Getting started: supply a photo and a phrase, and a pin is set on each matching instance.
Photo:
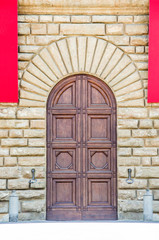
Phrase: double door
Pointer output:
(81, 150)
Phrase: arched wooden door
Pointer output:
(81, 150)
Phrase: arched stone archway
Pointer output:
(73, 55)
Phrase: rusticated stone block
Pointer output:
(154, 183)
(114, 29)
(39, 172)
(138, 184)
(14, 124)
(31, 194)
(147, 172)
(31, 133)
(129, 161)
(127, 123)
(37, 124)
(38, 28)
(144, 133)
(131, 206)
(3, 133)
(15, 133)
(3, 207)
(25, 151)
(130, 142)
(4, 151)
(10, 161)
(9, 112)
(14, 142)
(155, 161)
(145, 123)
(9, 172)
(24, 28)
(123, 172)
(84, 29)
(132, 113)
(127, 194)
(33, 206)
(136, 29)
(31, 113)
(144, 151)
(31, 161)
(18, 184)
(2, 184)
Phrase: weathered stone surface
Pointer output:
(146, 161)
(147, 172)
(14, 124)
(2, 184)
(125, 19)
(123, 172)
(16, 133)
(139, 40)
(18, 184)
(31, 133)
(136, 29)
(117, 40)
(141, 19)
(124, 151)
(28, 18)
(138, 184)
(155, 161)
(1, 161)
(4, 195)
(62, 19)
(130, 142)
(126, 194)
(30, 194)
(10, 161)
(46, 18)
(31, 113)
(104, 19)
(132, 113)
(24, 28)
(144, 151)
(154, 183)
(84, 29)
(39, 184)
(31, 161)
(37, 142)
(31, 216)
(131, 216)
(152, 142)
(33, 206)
(129, 161)
(39, 172)
(9, 112)
(140, 194)
(124, 133)
(156, 124)
(156, 194)
(38, 28)
(14, 142)
(53, 28)
(4, 151)
(25, 151)
(114, 29)
(154, 112)
(127, 123)
(9, 172)
(3, 207)
(131, 206)
(3, 133)
(37, 124)
(144, 133)
(145, 123)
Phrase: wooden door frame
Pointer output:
(110, 93)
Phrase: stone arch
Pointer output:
(90, 55)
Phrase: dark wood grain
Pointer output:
(81, 150)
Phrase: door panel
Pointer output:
(81, 141)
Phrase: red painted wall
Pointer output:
(8, 51)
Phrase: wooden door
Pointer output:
(81, 150)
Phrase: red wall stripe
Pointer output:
(8, 51)
(153, 72)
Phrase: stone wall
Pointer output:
(52, 47)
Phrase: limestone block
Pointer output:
(24, 151)
(31, 216)
(125, 19)
(118, 40)
(28, 49)
(127, 123)
(132, 113)
(53, 28)
(124, 133)
(126, 194)
(143, 133)
(37, 142)
(138, 184)
(155, 207)
(33, 206)
(156, 124)
(31, 96)
(31, 113)
(18, 184)
(115, 29)
(139, 57)
(1, 161)
(37, 124)
(131, 216)
(3, 133)
(14, 142)
(129, 161)
(14, 124)
(9, 172)
(139, 40)
(145, 123)
(131, 206)
(156, 194)
(21, 40)
(38, 28)
(46, 18)
(16, 133)
(136, 29)
(24, 28)
(124, 151)
(30, 40)
(128, 49)
(2, 184)
(22, 65)
(123, 172)
(84, 29)
(146, 161)
(9, 112)
(104, 19)
(61, 19)
(39, 184)
(34, 133)
(141, 19)
(3, 207)
(31, 161)
(147, 172)
(31, 194)
(80, 19)
(140, 49)
(154, 113)
(4, 195)
(155, 161)
(39, 172)
(4, 151)
(145, 151)
(28, 18)
(130, 142)
(24, 56)
(152, 142)
(154, 183)
(32, 89)
(10, 161)
(45, 40)
(30, 103)
(142, 65)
